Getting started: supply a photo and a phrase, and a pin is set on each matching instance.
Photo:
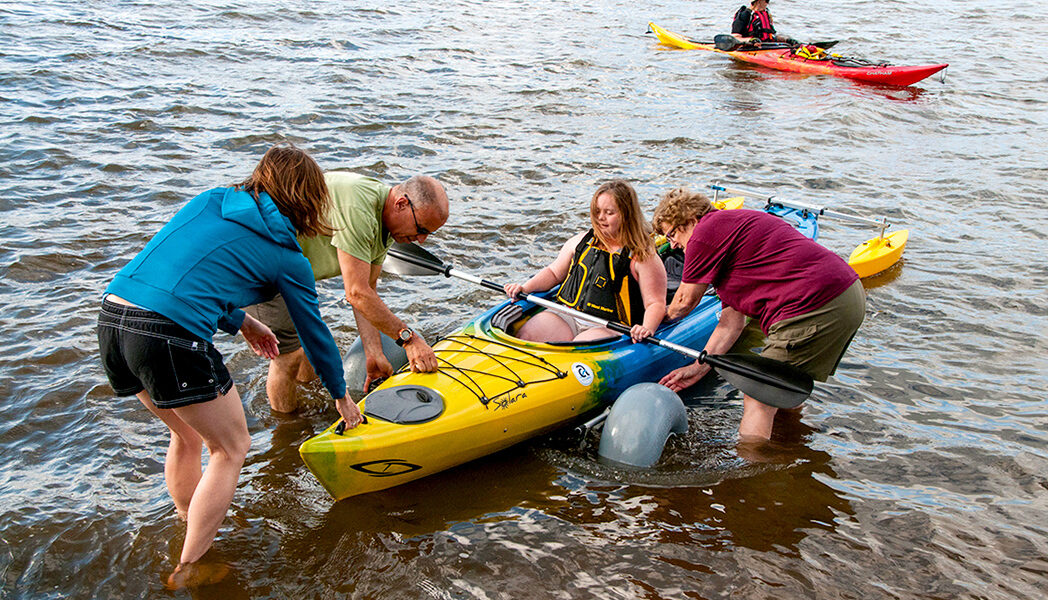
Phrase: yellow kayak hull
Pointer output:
(674, 39)
(880, 253)
(496, 391)
(732, 203)
(382, 454)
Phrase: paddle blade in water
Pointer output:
(772, 382)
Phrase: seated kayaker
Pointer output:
(611, 271)
(752, 25)
(808, 301)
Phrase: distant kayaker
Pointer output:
(752, 25)
(367, 216)
(808, 301)
(227, 247)
(611, 271)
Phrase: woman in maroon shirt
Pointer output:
(808, 301)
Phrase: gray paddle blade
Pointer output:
(762, 392)
(399, 266)
(410, 259)
(726, 42)
(769, 381)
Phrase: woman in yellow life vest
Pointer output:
(611, 271)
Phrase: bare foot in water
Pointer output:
(196, 574)
(182, 515)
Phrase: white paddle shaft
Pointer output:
(614, 326)
(819, 210)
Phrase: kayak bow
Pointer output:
(876, 255)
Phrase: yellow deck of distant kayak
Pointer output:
(876, 255)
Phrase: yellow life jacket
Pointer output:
(600, 283)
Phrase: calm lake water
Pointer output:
(919, 471)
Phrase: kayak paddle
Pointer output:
(727, 43)
(769, 381)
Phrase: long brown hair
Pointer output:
(634, 232)
(296, 184)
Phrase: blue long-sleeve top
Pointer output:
(224, 250)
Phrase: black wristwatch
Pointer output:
(404, 336)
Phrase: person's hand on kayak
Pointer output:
(259, 337)
(421, 358)
(754, 42)
(376, 368)
(685, 377)
(515, 291)
(639, 332)
(350, 411)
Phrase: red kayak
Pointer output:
(789, 59)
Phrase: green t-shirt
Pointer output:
(356, 215)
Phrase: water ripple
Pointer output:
(926, 450)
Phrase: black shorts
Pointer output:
(143, 350)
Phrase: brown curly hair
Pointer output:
(677, 207)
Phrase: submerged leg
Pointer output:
(757, 420)
(223, 427)
(182, 465)
(285, 373)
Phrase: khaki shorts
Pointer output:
(816, 340)
(275, 315)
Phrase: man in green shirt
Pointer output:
(368, 216)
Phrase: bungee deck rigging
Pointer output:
(530, 358)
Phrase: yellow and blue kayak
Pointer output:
(493, 390)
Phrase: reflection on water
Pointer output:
(918, 471)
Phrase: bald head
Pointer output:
(414, 209)
(429, 196)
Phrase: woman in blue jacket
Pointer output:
(226, 248)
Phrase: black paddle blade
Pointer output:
(411, 259)
(769, 381)
(726, 42)
(825, 45)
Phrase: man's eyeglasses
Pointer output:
(672, 232)
(419, 230)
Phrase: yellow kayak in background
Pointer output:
(876, 255)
